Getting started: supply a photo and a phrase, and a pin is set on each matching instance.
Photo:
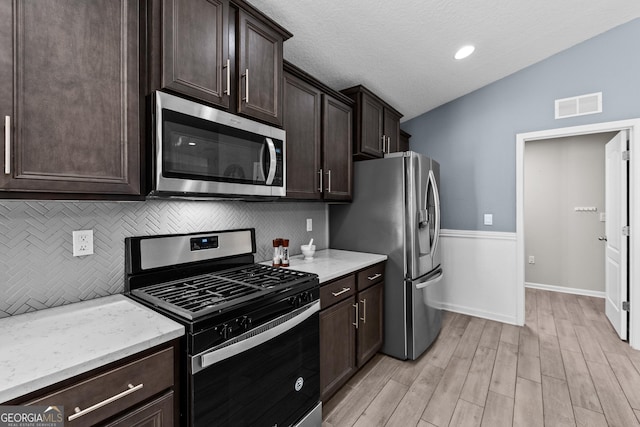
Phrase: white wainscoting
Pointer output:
(480, 274)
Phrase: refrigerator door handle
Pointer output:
(436, 197)
(430, 281)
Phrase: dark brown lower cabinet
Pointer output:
(370, 322)
(157, 413)
(350, 326)
(141, 390)
(337, 346)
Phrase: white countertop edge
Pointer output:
(330, 264)
(47, 377)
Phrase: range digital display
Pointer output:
(199, 243)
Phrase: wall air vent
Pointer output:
(579, 105)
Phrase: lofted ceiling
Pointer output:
(403, 50)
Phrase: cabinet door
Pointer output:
(157, 413)
(74, 112)
(370, 322)
(302, 114)
(391, 131)
(260, 71)
(337, 346)
(337, 146)
(371, 130)
(404, 141)
(195, 49)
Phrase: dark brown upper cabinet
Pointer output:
(195, 47)
(318, 122)
(376, 124)
(404, 141)
(70, 98)
(225, 53)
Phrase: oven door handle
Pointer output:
(253, 338)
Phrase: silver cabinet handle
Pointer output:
(374, 277)
(337, 294)
(321, 180)
(329, 181)
(602, 238)
(80, 412)
(364, 310)
(7, 145)
(381, 145)
(246, 85)
(388, 144)
(227, 91)
(356, 305)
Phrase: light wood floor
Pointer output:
(565, 367)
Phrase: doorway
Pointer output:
(633, 128)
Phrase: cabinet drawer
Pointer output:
(337, 290)
(114, 391)
(370, 276)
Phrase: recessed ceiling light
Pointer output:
(464, 51)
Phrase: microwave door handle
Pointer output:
(272, 161)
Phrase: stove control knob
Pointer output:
(244, 322)
(225, 331)
(306, 296)
(294, 301)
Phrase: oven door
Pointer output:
(200, 150)
(270, 376)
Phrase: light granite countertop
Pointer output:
(44, 347)
(330, 264)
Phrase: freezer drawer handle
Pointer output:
(374, 277)
(337, 294)
(80, 412)
(430, 282)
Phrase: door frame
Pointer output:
(633, 126)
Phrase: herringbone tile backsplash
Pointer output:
(37, 269)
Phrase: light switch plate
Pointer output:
(309, 224)
(488, 219)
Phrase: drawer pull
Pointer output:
(337, 294)
(374, 277)
(80, 412)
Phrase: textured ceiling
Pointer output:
(403, 50)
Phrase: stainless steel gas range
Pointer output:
(251, 350)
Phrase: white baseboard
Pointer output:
(484, 314)
(555, 288)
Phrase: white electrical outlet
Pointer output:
(82, 242)
(488, 219)
(532, 259)
(309, 224)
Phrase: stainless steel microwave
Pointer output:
(199, 151)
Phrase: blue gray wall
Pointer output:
(473, 137)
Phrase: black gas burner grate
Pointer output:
(198, 295)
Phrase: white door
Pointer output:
(616, 220)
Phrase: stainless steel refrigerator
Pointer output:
(396, 211)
